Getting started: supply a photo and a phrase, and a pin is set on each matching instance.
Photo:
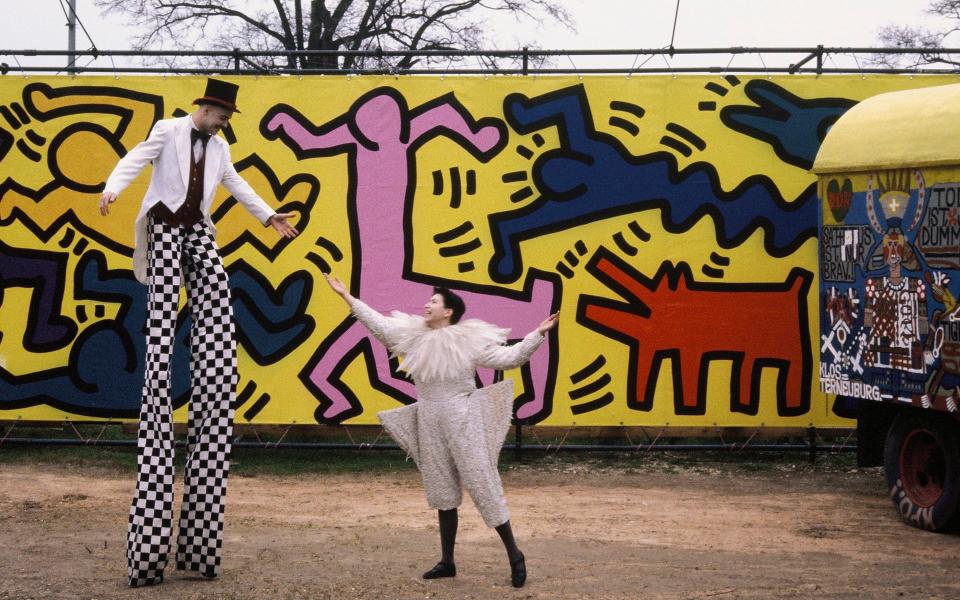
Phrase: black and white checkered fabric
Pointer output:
(213, 370)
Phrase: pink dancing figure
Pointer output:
(381, 137)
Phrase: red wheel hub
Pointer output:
(922, 468)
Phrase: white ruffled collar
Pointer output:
(443, 353)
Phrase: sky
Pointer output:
(601, 24)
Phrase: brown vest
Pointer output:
(189, 213)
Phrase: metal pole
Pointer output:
(72, 37)
(518, 447)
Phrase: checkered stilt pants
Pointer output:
(175, 251)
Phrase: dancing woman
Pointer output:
(454, 431)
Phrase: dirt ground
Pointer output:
(587, 533)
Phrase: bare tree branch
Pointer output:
(932, 42)
(271, 25)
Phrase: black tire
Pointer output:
(922, 466)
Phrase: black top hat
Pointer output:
(220, 93)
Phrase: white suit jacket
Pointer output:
(169, 147)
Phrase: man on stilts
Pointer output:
(174, 246)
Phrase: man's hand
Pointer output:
(279, 222)
(106, 199)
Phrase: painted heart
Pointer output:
(839, 198)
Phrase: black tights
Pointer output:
(448, 537)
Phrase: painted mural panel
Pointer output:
(889, 327)
(671, 220)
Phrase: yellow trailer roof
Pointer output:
(910, 128)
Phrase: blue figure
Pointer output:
(592, 176)
(104, 376)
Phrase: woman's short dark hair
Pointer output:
(453, 302)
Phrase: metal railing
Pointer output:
(808, 441)
(526, 61)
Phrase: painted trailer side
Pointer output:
(889, 265)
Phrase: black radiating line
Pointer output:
(318, 260)
(624, 124)
(28, 151)
(254, 410)
(537, 139)
(471, 182)
(461, 248)
(229, 134)
(571, 258)
(707, 106)
(592, 387)
(525, 152)
(716, 88)
(676, 145)
(24, 117)
(564, 270)
(82, 313)
(599, 403)
(98, 311)
(624, 245)
(437, 183)
(720, 260)
(445, 236)
(244, 394)
(454, 187)
(80, 247)
(686, 134)
(594, 366)
(711, 272)
(67, 238)
(521, 194)
(732, 79)
(629, 107)
(36, 138)
(514, 176)
(330, 247)
(9, 117)
(638, 231)
(581, 247)
(224, 208)
(465, 267)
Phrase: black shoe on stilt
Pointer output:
(440, 570)
(518, 571)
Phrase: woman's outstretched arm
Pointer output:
(382, 327)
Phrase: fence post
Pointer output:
(526, 60)
(518, 445)
(819, 59)
(236, 60)
(812, 441)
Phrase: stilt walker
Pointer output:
(175, 247)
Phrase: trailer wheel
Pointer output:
(922, 467)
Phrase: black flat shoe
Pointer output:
(518, 571)
(441, 569)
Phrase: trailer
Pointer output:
(889, 264)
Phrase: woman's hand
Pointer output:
(549, 323)
(335, 284)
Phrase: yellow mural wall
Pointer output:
(671, 220)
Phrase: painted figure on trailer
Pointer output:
(895, 313)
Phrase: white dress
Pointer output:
(454, 431)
